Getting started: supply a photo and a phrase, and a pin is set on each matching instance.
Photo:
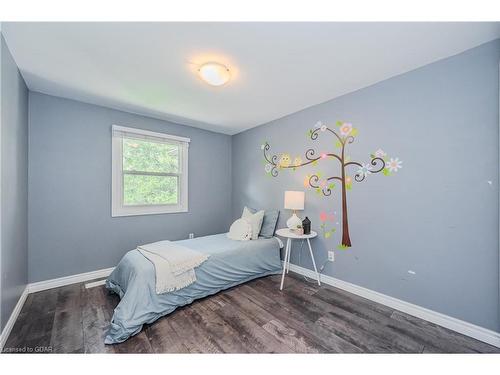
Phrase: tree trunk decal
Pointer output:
(344, 136)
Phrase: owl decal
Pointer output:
(285, 160)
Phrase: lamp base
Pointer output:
(294, 222)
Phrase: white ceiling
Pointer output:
(278, 68)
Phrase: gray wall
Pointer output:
(71, 228)
(437, 216)
(14, 184)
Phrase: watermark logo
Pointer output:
(28, 349)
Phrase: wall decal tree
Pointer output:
(344, 135)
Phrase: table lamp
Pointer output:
(294, 200)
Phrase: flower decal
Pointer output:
(348, 180)
(345, 129)
(268, 168)
(365, 169)
(262, 147)
(394, 164)
(306, 181)
(323, 128)
(324, 216)
(380, 153)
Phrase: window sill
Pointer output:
(143, 212)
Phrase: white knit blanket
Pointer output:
(174, 264)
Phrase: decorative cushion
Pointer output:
(269, 223)
(255, 219)
(240, 230)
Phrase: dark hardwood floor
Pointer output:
(252, 318)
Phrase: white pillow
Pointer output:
(240, 230)
(255, 221)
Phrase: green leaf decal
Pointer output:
(386, 172)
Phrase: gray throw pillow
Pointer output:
(269, 223)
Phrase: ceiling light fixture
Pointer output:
(214, 74)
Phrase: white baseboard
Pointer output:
(44, 285)
(13, 317)
(457, 325)
(95, 283)
(67, 280)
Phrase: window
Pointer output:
(149, 172)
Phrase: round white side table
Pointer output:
(289, 235)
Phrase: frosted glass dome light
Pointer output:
(214, 74)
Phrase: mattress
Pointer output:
(230, 263)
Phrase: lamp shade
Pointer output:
(294, 200)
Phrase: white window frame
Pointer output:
(117, 206)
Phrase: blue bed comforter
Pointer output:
(230, 263)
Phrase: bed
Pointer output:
(230, 263)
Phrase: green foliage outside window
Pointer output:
(150, 172)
